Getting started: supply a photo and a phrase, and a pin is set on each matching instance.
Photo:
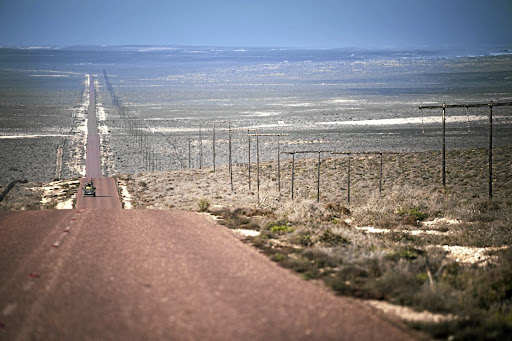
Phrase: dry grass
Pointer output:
(441, 250)
(410, 264)
(23, 196)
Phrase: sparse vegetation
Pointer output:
(406, 259)
(204, 205)
(407, 264)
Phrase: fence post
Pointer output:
(444, 145)
(230, 160)
(189, 153)
(380, 175)
(318, 180)
(258, 165)
(249, 142)
(348, 181)
(490, 150)
(279, 166)
(214, 147)
(293, 175)
(200, 149)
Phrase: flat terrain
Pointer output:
(101, 273)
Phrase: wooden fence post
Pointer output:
(444, 145)
(279, 166)
(258, 166)
(380, 175)
(189, 154)
(293, 175)
(249, 163)
(348, 180)
(318, 180)
(200, 149)
(490, 150)
(214, 147)
(230, 160)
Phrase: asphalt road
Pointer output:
(98, 272)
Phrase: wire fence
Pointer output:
(214, 143)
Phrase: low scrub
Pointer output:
(401, 267)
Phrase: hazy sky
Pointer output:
(265, 23)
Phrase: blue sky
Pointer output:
(263, 23)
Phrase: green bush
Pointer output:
(204, 205)
(413, 212)
(282, 229)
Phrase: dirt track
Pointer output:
(143, 274)
(106, 191)
(101, 273)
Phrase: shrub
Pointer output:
(204, 205)
(302, 238)
(404, 253)
(414, 213)
(332, 239)
(282, 229)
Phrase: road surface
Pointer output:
(101, 273)
(106, 191)
(98, 274)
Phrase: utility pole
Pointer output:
(471, 105)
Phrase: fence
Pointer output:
(195, 147)
(152, 159)
(444, 106)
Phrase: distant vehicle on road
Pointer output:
(89, 189)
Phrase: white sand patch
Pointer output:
(279, 124)
(260, 113)
(100, 112)
(440, 221)
(471, 255)
(126, 196)
(370, 229)
(56, 193)
(65, 205)
(408, 314)
(431, 232)
(107, 156)
(173, 130)
(79, 138)
(30, 136)
(246, 233)
(407, 120)
(103, 130)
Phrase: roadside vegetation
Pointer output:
(406, 260)
(445, 251)
(440, 250)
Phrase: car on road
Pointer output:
(89, 189)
